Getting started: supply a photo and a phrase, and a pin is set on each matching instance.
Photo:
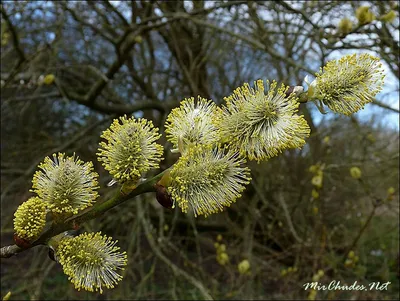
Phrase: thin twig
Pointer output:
(88, 214)
(161, 256)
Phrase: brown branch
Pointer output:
(254, 43)
(116, 11)
(14, 35)
(123, 45)
(83, 22)
(33, 166)
(33, 97)
(86, 215)
(300, 12)
(384, 106)
(17, 46)
(8, 251)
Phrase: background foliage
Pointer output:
(110, 58)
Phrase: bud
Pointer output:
(389, 17)
(221, 248)
(345, 26)
(364, 15)
(244, 267)
(348, 263)
(355, 172)
(48, 79)
(317, 181)
(163, 197)
(222, 258)
(30, 219)
(316, 278)
(391, 190)
(138, 39)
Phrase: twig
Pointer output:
(91, 213)
(160, 255)
(8, 251)
(14, 35)
(282, 202)
(33, 166)
(384, 106)
(17, 46)
(256, 44)
(362, 230)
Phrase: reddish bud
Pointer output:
(20, 242)
(163, 197)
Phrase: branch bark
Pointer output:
(88, 214)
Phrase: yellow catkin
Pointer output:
(205, 180)
(7, 296)
(30, 218)
(364, 15)
(317, 181)
(355, 172)
(91, 261)
(345, 26)
(65, 184)
(130, 150)
(389, 17)
(348, 84)
(261, 124)
(49, 79)
(193, 123)
(244, 267)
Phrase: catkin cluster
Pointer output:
(254, 123)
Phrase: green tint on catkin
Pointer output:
(364, 15)
(130, 150)
(91, 261)
(66, 184)
(345, 26)
(261, 125)
(30, 219)
(205, 180)
(348, 84)
(193, 123)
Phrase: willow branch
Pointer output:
(89, 214)
(384, 106)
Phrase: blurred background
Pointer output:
(69, 68)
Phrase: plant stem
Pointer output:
(90, 213)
